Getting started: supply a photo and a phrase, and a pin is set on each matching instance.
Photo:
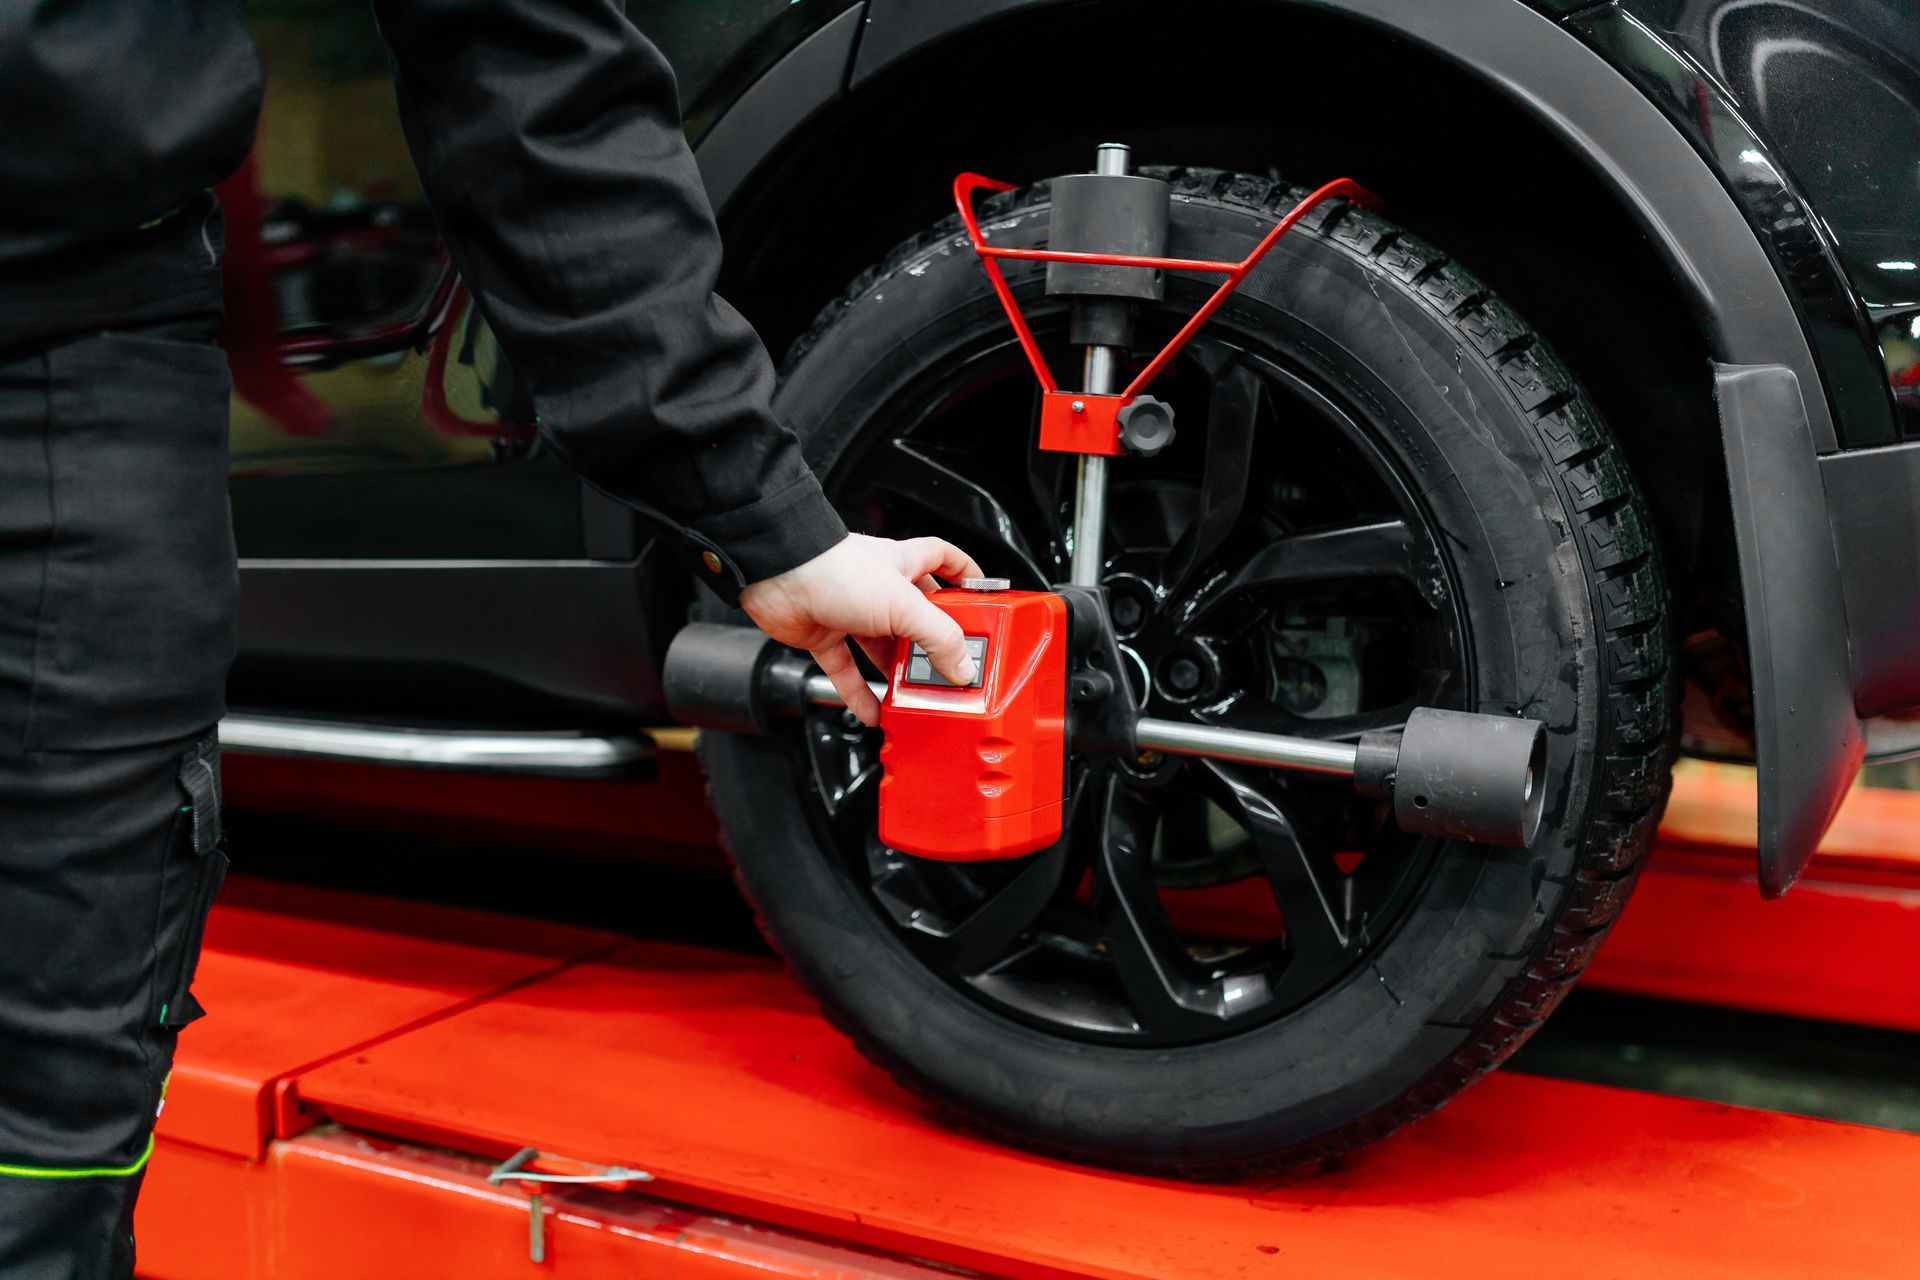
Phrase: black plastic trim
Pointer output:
(481, 641)
(776, 106)
(1808, 739)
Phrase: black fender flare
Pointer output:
(777, 107)
(1774, 420)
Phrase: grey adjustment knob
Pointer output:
(1146, 426)
(984, 584)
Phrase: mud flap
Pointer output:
(1808, 738)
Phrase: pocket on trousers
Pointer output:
(196, 868)
(136, 627)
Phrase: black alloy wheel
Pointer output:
(1255, 584)
(1223, 966)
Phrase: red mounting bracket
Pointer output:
(1079, 422)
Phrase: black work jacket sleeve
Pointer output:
(547, 135)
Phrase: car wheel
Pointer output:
(1386, 492)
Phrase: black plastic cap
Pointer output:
(711, 677)
(1471, 777)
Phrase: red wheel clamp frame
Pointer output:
(1080, 422)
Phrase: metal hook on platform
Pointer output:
(515, 1169)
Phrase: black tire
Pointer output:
(1558, 586)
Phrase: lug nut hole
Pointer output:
(1188, 673)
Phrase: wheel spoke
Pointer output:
(936, 486)
(846, 775)
(989, 933)
(1223, 484)
(1376, 549)
(1305, 883)
(1170, 994)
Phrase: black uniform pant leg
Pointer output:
(103, 893)
(116, 629)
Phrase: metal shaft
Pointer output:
(1089, 517)
(1311, 755)
(821, 693)
(1100, 379)
(1090, 484)
(1275, 750)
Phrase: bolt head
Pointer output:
(1183, 675)
(1079, 406)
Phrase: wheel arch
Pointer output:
(1669, 286)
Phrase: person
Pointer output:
(548, 140)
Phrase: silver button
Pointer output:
(985, 584)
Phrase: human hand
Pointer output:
(868, 589)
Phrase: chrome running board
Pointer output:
(563, 753)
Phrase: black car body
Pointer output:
(1711, 206)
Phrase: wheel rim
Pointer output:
(1298, 590)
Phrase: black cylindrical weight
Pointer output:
(713, 677)
(1108, 213)
(1471, 776)
(1101, 322)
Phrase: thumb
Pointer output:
(921, 621)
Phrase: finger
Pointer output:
(837, 661)
(937, 555)
(879, 649)
(928, 583)
(918, 619)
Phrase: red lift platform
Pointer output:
(369, 1063)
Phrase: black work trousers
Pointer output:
(117, 584)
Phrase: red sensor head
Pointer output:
(977, 773)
